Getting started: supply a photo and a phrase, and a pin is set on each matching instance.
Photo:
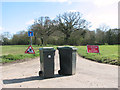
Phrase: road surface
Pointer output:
(89, 74)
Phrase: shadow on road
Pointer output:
(20, 80)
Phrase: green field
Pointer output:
(108, 53)
(17, 52)
(18, 49)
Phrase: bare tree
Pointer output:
(70, 22)
(104, 27)
(101, 33)
(5, 38)
(43, 28)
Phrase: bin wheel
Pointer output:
(40, 72)
(59, 72)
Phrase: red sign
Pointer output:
(92, 49)
(30, 50)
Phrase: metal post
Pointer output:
(31, 40)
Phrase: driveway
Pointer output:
(89, 74)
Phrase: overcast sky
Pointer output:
(17, 15)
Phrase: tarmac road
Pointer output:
(89, 74)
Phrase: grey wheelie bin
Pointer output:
(46, 62)
(67, 56)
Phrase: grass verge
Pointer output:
(108, 54)
(11, 57)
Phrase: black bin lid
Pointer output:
(66, 47)
(47, 48)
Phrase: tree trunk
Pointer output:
(42, 41)
(66, 39)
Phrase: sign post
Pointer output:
(30, 34)
(31, 41)
(30, 50)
